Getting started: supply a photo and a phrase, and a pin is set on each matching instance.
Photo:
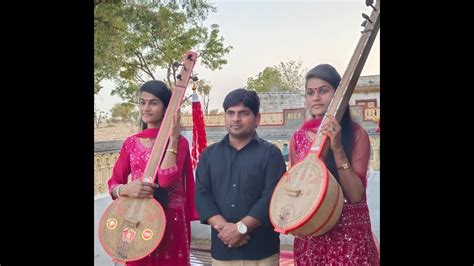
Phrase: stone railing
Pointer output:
(104, 161)
(103, 165)
(375, 152)
(105, 155)
(217, 120)
(372, 114)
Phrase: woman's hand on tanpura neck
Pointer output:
(170, 157)
(137, 189)
(176, 126)
(332, 128)
(350, 182)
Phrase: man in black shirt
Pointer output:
(235, 179)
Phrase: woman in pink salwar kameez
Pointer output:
(174, 183)
(350, 241)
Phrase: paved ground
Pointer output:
(203, 257)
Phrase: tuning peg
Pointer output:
(178, 76)
(190, 57)
(364, 23)
(366, 17)
(370, 3)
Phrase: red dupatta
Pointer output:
(312, 124)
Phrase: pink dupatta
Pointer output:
(188, 171)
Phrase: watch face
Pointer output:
(242, 228)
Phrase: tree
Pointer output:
(267, 80)
(156, 35)
(214, 111)
(124, 112)
(99, 117)
(204, 89)
(292, 75)
(283, 77)
(109, 30)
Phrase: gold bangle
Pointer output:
(172, 150)
(344, 166)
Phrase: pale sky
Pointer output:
(265, 33)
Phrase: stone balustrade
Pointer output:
(104, 161)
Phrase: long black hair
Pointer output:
(160, 90)
(347, 139)
(329, 74)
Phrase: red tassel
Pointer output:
(199, 130)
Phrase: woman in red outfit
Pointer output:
(175, 179)
(350, 241)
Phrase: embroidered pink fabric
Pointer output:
(179, 182)
(350, 241)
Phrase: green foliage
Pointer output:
(124, 111)
(109, 29)
(136, 39)
(292, 75)
(267, 80)
(127, 90)
(283, 77)
(214, 111)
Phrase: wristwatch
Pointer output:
(241, 228)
